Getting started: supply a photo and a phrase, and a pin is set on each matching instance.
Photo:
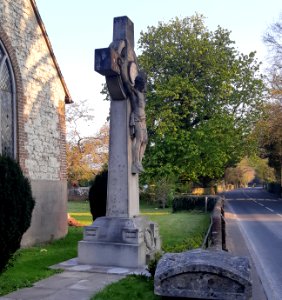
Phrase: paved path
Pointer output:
(77, 282)
(65, 286)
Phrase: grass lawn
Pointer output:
(131, 287)
(31, 265)
(180, 231)
(78, 207)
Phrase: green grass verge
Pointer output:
(131, 287)
(78, 206)
(180, 231)
(31, 265)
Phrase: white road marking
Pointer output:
(269, 209)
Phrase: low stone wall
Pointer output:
(218, 240)
(216, 236)
(203, 274)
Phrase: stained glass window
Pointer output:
(7, 106)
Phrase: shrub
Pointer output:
(98, 195)
(187, 202)
(152, 265)
(16, 205)
(164, 192)
(274, 188)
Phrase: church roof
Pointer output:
(47, 40)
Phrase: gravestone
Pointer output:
(122, 238)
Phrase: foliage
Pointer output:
(274, 188)
(32, 264)
(16, 206)
(131, 287)
(98, 195)
(164, 191)
(240, 175)
(268, 132)
(187, 202)
(160, 192)
(152, 265)
(77, 115)
(87, 156)
(264, 172)
(203, 97)
(273, 39)
(147, 196)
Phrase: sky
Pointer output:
(75, 28)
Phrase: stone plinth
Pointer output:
(203, 274)
(121, 242)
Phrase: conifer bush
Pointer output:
(16, 205)
(98, 195)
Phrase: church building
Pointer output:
(33, 95)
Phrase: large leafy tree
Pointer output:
(268, 133)
(273, 40)
(203, 97)
(269, 129)
(87, 156)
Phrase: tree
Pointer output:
(86, 153)
(241, 175)
(268, 133)
(77, 115)
(273, 39)
(264, 173)
(203, 98)
(87, 156)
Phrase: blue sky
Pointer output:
(76, 28)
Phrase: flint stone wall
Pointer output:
(40, 94)
(40, 118)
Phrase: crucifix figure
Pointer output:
(119, 64)
(136, 92)
(128, 135)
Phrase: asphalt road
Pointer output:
(259, 215)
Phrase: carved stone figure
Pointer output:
(135, 88)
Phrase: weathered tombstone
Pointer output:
(203, 274)
(122, 238)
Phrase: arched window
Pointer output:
(7, 106)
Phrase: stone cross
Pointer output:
(122, 238)
(123, 186)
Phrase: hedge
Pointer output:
(188, 202)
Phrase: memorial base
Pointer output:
(121, 242)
